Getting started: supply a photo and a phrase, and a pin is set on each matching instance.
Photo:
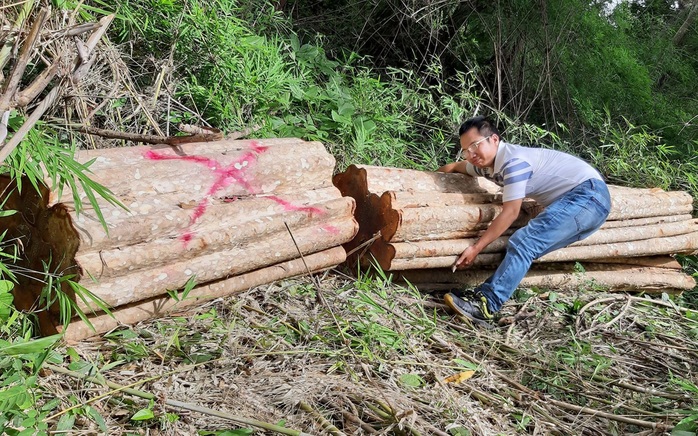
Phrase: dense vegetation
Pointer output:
(383, 82)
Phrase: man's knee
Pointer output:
(517, 244)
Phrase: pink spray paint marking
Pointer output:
(225, 176)
(311, 210)
(330, 229)
(289, 207)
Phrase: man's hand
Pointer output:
(455, 167)
(466, 258)
(510, 211)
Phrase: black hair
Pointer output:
(482, 124)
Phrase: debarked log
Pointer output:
(161, 215)
(457, 218)
(665, 261)
(616, 278)
(362, 180)
(678, 244)
(206, 210)
(164, 304)
(660, 219)
(234, 260)
(221, 169)
(410, 199)
(209, 236)
(443, 222)
(400, 255)
(636, 203)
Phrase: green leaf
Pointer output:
(96, 417)
(33, 346)
(5, 299)
(66, 422)
(467, 365)
(411, 380)
(6, 286)
(143, 415)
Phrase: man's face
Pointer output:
(479, 150)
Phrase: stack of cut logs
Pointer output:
(223, 216)
(417, 223)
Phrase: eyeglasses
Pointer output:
(472, 147)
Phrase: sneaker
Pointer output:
(474, 308)
(462, 293)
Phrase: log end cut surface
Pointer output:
(44, 240)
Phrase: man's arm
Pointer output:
(510, 211)
(455, 167)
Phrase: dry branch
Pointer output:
(151, 139)
(11, 84)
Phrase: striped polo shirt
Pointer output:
(537, 173)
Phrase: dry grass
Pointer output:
(374, 356)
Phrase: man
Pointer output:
(575, 197)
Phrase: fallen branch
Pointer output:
(151, 139)
(12, 82)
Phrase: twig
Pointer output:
(364, 244)
(320, 295)
(79, 29)
(83, 65)
(246, 421)
(244, 132)
(611, 416)
(386, 407)
(39, 84)
(326, 425)
(611, 322)
(650, 391)
(514, 319)
(4, 118)
(19, 22)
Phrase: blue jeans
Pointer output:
(572, 217)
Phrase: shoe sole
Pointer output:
(479, 322)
